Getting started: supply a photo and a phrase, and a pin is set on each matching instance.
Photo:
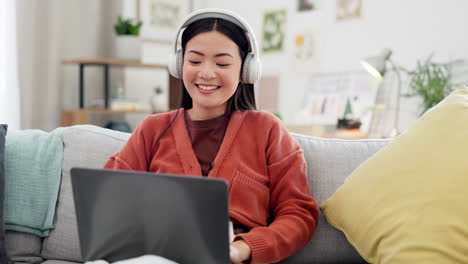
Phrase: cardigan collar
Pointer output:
(185, 150)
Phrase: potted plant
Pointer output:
(432, 81)
(128, 44)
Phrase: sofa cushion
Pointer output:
(329, 162)
(408, 203)
(23, 247)
(3, 254)
(84, 146)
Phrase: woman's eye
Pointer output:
(223, 64)
(194, 62)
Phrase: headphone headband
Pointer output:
(251, 67)
(223, 14)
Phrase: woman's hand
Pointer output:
(239, 251)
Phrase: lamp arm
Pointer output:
(397, 111)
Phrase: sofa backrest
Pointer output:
(330, 161)
(84, 146)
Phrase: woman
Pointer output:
(217, 133)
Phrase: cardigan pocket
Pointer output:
(249, 198)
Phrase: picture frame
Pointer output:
(305, 59)
(274, 31)
(307, 5)
(348, 9)
(161, 18)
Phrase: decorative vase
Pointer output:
(128, 47)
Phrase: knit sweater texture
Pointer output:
(262, 163)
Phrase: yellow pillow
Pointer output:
(409, 202)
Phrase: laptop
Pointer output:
(127, 214)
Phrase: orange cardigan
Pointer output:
(265, 168)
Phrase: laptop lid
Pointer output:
(126, 214)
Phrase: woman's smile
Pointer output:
(207, 88)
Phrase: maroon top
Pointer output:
(206, 137)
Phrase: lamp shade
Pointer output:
(375, 65)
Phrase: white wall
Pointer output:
(412, 29)
(56, 30)
(140, 83)
(50, 31)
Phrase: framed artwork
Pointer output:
(274, 28)
(307, 5)
(305, 46)
(305, 59)
(161, 18)
(348, 9)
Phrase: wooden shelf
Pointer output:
(114, 62)
(109, 111)
(105, 63)
(82, 116)
(321, 131)
(348, 134)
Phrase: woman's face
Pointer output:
(211, 73)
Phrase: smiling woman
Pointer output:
(211, 73)
(216, 132)
(9, 90)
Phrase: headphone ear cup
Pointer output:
(180, 62)
(175, 64)
(251, 69)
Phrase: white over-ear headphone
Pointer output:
(252, 66)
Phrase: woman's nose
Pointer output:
(207, 72)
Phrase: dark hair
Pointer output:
(244, 96)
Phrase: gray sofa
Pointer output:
(330, 161)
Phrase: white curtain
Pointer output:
(9, 89)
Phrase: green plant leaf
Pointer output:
(431, 81)
(127, 27)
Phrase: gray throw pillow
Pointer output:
(3, 131)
